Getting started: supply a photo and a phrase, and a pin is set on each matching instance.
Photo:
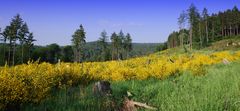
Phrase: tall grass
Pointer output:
(218, 90)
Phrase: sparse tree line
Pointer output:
(80, 51)
(17, 46)
(17, 42)
(118, 49)
(200, 30)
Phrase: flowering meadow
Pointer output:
(32, 82)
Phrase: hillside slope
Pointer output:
(39, 82)
(232, 43)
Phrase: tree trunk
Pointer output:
(200, 34)
(74, 55)
(213, 31)
(230, 30)
(207, 31)
(118, 55)
(237, 29)
(14, 50)
(28, 53)
(4, 51)
(79, 56)
(112, 53)
(222, 31)
(222, 26)
(182, 41)
(225, 31)
(190, 38)
(173, 42)
(9, 52)
(22, 53)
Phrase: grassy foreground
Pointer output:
(218, 90)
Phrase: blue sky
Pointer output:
(148, 21)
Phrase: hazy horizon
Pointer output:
(148, 21)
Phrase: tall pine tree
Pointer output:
(78, 43)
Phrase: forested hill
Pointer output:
(51, 53)
(138, 49)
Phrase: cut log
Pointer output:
(144, 105)
(225, 61)
(130, 105)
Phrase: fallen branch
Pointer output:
(144, 105)
(130, 105)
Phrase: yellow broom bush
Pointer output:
(32, 82)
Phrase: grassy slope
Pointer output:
(234, 44)
(218, 90)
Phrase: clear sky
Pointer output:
(148, 21)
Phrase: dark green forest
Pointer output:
(199, 29)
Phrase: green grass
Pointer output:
(218, 90)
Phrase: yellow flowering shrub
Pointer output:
(32, 82)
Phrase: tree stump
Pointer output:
(102, 88)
